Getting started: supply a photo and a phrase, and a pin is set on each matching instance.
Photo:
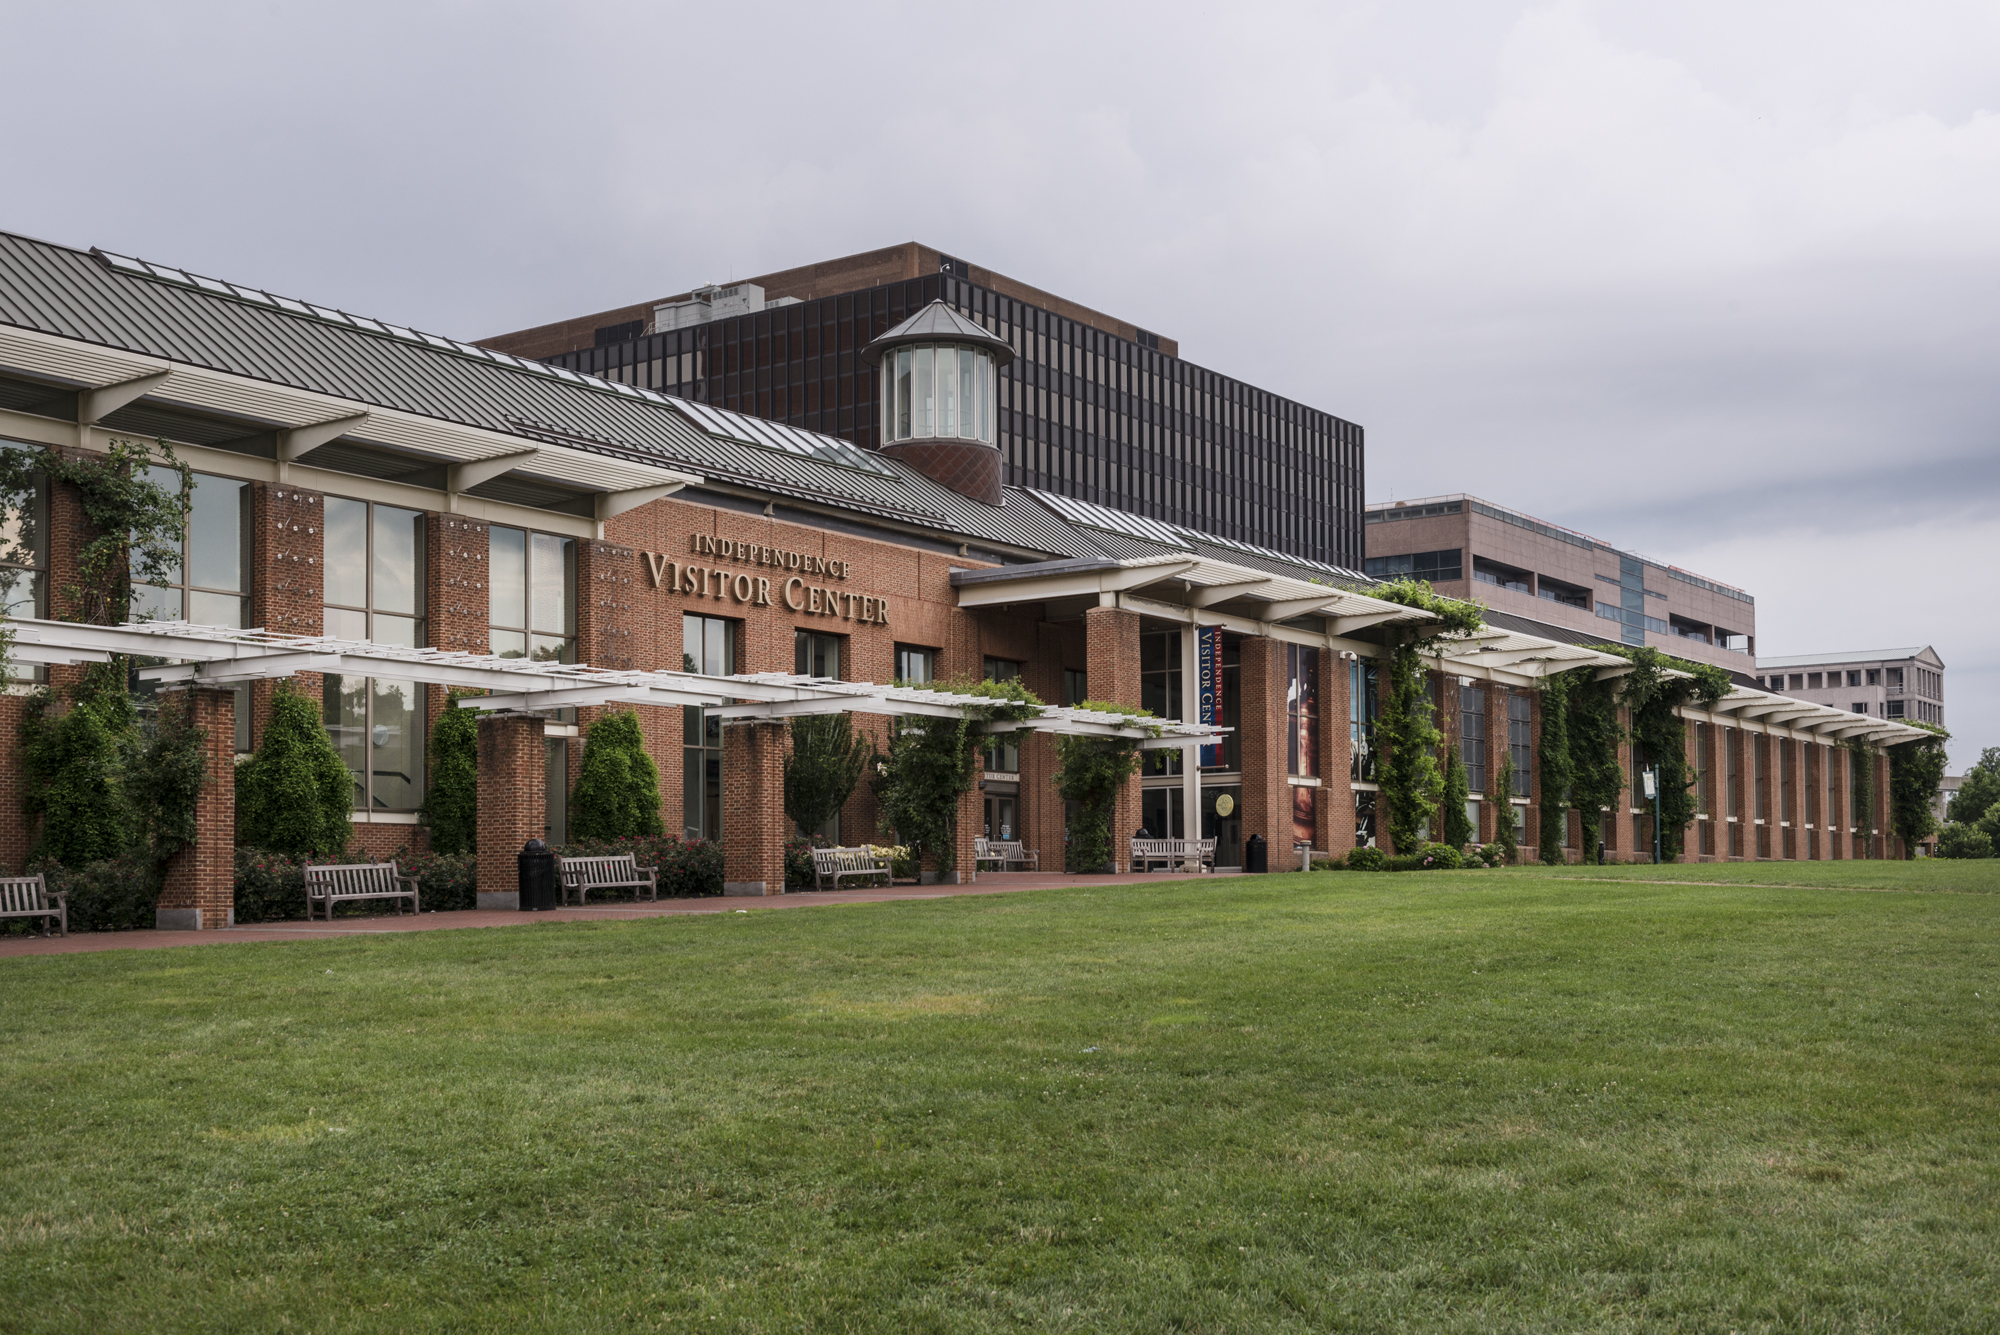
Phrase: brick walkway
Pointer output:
(990, 883)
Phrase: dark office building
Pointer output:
(1090, 407)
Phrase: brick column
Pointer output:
(1837, 802)
(1111, 649)
(513, 801)
(287, 579)
(1336, 799)
(753, 801)
(1498, 805)
(200, 889)
(1267, 798)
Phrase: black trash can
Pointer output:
(537, 877)
(1255, 856)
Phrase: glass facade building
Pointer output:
(1080, 411)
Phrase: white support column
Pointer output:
(1190, 709)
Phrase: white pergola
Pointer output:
(220, 656)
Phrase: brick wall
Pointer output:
(287, 579)
(1267, 798)
(753, 794)
(1111, 648)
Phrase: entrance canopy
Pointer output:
(221, 656)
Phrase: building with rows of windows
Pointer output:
(1086, 405)
(382, 516)
(1887, 683)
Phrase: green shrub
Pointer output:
(1490, 855)
(1328, 864)
(1443, 857)
(1458, 831)
(617, 790)
(112, 895)
(799, 863)
(295, 796)
(74, 768)
(1958, 840)
(687, 867)
(826, 760)
(1367, 859)
(451, 807)
(445, 881)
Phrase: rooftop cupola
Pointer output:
(938, 398)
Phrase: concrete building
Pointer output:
(1473, 549)
(1886, 683)
(1089, 406)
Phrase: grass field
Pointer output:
(1463, 1102)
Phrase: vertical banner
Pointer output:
(1208, 681)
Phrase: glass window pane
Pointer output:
(151, 604)
(925, 393)
(508, 643)
(395, 630)
(346, 554)
(968, 426)
(947, 387)
(550, 649)
(690, 643)
(218, 609)
(168, 481)
(395, 744)
(343, 624)
(903, 394)
(21, 593)
(346, 713)
(399, 540)
(507, 563)
(552, 584)
(218, 524)
(691, 803)
(983, 373)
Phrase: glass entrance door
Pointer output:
(1222, 821)
(1002, 820)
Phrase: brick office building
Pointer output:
(431, 505)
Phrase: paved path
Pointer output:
(989, 883)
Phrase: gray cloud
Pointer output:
(1716, 281)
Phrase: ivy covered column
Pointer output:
(1335, 832)
(513, 801)
(200, 889)
(1111, 648)
(753, 807)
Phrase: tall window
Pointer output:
(532, 595)
(1076, 686)
(210, 583)
(1784, 779)
(1472, 735)
(1160, 691)
(1364, 706)
(1005, 758)
(914, 664)
(1759, 762)
(708, 645)
(375, 591)
(1701, 769)
(24, 564)
(1519, 744)
(816, 655)
(1732, 752)
(1302, 710)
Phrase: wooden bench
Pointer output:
(1006, 852)
(28, 897)
(606, 873)
(834, 863)
(339, 882)
(1176, 853)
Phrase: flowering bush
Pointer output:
(445, 881)
(799, 863)
(271, 887)
(114, 895)
(1490, 855)
(687, 867)
(902, 860)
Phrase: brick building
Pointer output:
(430, 512)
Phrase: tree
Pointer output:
(826, 761)
(1964, 841)
(1557, 768)
(930, 766)
(1457, 826)
(1980, 791)
(451, 808)
(295, 795)
(1596, 778)
(1412, 781)
(74, 765)
(1916, 769)
(1089, 772)
(1654, 690)
(617, 794)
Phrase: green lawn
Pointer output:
(1461, 1101)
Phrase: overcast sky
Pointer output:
(1716, 281)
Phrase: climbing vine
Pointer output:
(1557, 768)
(1655, 690)
(1457, 826)
(931, 765)
(1089, 771)
(1595, 779)
(1411, 778)
(451, 806)
(1916, 770)
(1503, 813)
(1861, 765)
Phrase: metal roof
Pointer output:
(938, 323)
(1860, 656)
